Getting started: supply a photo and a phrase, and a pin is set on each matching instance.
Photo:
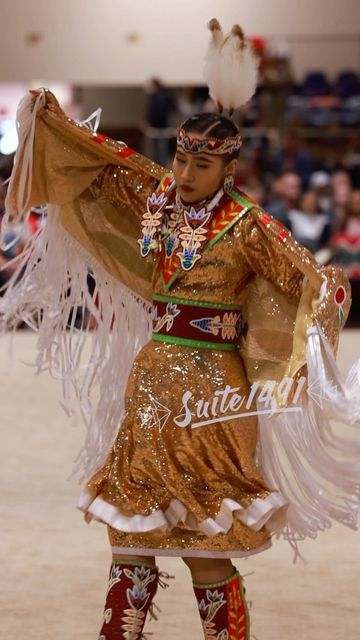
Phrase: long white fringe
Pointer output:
(26, 113)
(50, 283)
(315, 466)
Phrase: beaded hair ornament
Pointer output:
(231, 70)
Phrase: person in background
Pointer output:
(286, 194)
(351, 160)
(353, 222)
(340, 178)
(292, 156)
(341, 195)
(320, 183)
(159, 109)
(346, 249)
(308, 224)
(188, 103)
(341, 205)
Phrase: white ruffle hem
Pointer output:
(255, 516)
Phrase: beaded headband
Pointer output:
(208, 145)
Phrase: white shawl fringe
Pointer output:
(314, 463)
(49, 285)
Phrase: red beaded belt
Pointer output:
(196, 324)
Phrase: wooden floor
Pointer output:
(54, 567)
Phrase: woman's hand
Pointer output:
(88, 517)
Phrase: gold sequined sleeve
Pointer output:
(126, 187)
(271, 252)
(266, 257)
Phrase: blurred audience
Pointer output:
(341, 195)
(291, 155)
(320, 183)
(352, 225)
(308, 224)
(284, 196)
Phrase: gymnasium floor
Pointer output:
(54, 567)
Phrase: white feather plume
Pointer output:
(231, 68)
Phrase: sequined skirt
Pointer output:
(181, 478)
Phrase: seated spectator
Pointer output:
(285, 196)
(340, 178)
(346, 244)
(351, 160)
(341, 194)
(292, 157)
(352, 227)
(308, 224)
(320, 183)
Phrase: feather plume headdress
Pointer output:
(231, 67)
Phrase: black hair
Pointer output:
(214, 125)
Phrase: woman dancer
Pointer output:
(239, 357)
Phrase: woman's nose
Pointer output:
(187, 173)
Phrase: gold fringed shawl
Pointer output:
(95, 190)
(101, 188)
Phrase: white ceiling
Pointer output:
(113, 42)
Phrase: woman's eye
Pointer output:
(179, 159)
(202, 166)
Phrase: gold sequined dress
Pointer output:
(217, 486)
(168, 489)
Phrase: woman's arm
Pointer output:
(95, 188)
(58, 159)
(288, 295)
(271, 252)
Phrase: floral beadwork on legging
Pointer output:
(223, 610)
(129, 596)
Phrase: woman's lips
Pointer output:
(187, 189)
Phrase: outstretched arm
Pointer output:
(59, 158)
(96, 188)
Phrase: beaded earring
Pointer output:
(229, 181)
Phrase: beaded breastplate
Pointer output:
(180, 233)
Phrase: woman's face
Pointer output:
(198, 176)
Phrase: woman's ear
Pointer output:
(231, 167)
